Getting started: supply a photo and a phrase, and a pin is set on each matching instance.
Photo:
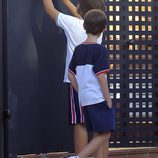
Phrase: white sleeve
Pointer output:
(64, 21)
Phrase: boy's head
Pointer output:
(85, 5)
(95, 22)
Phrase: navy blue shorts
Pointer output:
(76, 115)
(99, 117)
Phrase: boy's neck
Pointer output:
(92, 38)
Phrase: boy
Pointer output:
(87, 73)
(75, 33)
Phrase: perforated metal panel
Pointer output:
(132, 41)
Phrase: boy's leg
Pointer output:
(103, 150)
(76, 118)
(80, 137)
(95, 144)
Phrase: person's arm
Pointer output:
(50, 9)
(71, 7)
(105, 89)
(73, 80)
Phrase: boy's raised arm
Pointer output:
(50, 9)
(71, 7)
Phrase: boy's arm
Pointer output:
(71, 7)
(50, 9)
(73, 80)
(104, 87)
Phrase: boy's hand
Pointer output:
(109, 102)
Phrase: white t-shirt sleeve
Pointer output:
(64, 21)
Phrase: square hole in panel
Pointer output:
(117, 95)
(130, 8)
(117, 18)
(137, 115)
(131, 105)
(143, 85)
(111, 37)
(137, 85)
(117, 8)
(143, 47)
(137, 57)
(143, 18)
(130, 18)
(143, 104)
(130, 114)
(149, 8)
(130, 56)
(130, 76)
(137, 76)
(149, 76)
(143, 57)
(136, 27)
(149, 66)
(143, 27)
(150, 85)
(143, 95)
(137, 105)
(143, 66)
(117, 76)
(137, 37)
(117, 27)
(137, 66)
(117, 85)
(111, 76)
(117, 47)
(143, 8)
(130, 95)
(111, 47)
(111, 86)
(111, 27)
(111, 8)
(143, 76)
(136, 8)
(117, 37)
(111, 18)
(150, 105)
(136, 18)
(143, 114)
(149, 28)
(117, 56)
(131, 66)
(136, 47)
(149, 47)
(111, 56)
(150, 95)
(117, 66)
(143, 37)
(130, 85)
(149, 18)
(137, 95)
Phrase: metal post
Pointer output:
(6, 113)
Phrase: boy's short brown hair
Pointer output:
(95, 21)
(85, 5)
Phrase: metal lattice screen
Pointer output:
(132, 41)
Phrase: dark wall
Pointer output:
(1, 104)
(38, 98)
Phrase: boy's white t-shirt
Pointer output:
(75, 34)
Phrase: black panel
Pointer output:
(132, 42)
(38, 98)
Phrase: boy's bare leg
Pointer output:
(94, 145)
(80, 137)
(102, 152)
